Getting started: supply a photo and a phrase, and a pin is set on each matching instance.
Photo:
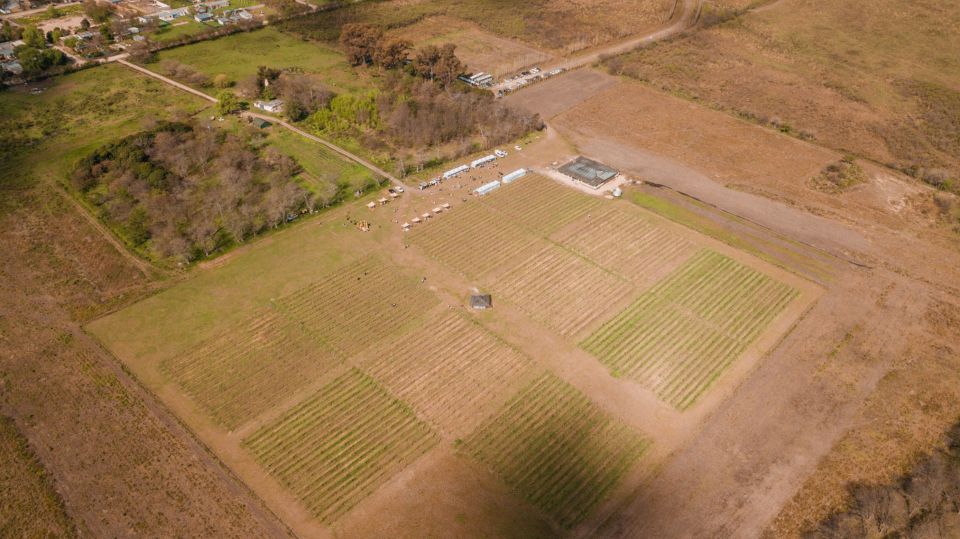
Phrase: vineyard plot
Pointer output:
(626, 242)
(561, 289)
(249, 368)
(678, 337)
(542, 204)
(451, 370)
(357, 305)
(473, 239)
(335, 448)
(557, 449)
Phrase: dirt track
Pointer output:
(683, 17)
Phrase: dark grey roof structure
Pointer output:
(589, 171)
(481, 301)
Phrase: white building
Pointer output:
(275, 105)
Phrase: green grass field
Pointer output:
(183, 27)
(239, 55)
(541, 204)
(250, 367)
(557, 449)
(339, 445)
(678, 337)
(44, 135)
(323, 170)
(450, 370)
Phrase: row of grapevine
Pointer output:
(473, 239)
(450, 370)
(249, 368)
(624, 241)
(357, 305)
(541, 203)
(561, 289)
(678, 337)
(557, 449)
(335, 448)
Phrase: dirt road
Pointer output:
(348, 155)
(684, 15)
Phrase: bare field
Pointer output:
(730, 151)
(478, 49)
(30, 506)
(877, 78)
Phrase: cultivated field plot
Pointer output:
(562, 289)
(557, 449)
(248, 369)
(451, 370)
(357, 305)
(338, 446)
(677, 338)
(541, 203)
(473, 239)
(623, 240)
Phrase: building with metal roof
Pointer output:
(589, 172)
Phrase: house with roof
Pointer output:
(274, 105)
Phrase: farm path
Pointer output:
(684, 15)
(351, 156)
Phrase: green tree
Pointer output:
(84, 25)
(53, 12)
(228, 103)
(33, 37)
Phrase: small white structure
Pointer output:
(405, 226)
(487, 187)
(426, 216)
(477, 163)
(617, 192)
(455, 172)
(438, 209)
(416, 220)
(500, 153)
(445, 206)
(274, 105)
(513, 176)
(372, 205)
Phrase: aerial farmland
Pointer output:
(658, 268)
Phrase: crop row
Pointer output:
(541, 203)
(562, 289)
(624, 241)
(557, 449)
(248, 368)
(677, 338)
(451, 370)
(472, 239)
(338, 446)
(357, 305)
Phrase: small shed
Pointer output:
(260, 123)
(371, 205)
(481, 302)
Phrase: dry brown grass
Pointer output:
(29, 506)
(877, 78)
